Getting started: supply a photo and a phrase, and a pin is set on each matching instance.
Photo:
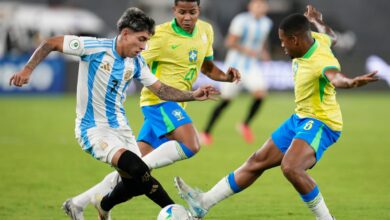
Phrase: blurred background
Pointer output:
(360, 25)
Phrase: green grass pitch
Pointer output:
(41, 163)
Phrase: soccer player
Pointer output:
(246, 41)
(175, 54)
(299, 143)
(105, 69)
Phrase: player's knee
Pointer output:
(190, 148)
(290, 170)
(133, 165)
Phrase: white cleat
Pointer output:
(192, 197)
(102, 214)
(73, 211)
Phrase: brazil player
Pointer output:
(175, 54)
(106, 68)
(299, 143)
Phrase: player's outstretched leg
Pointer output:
(75, 206)
(200, 202)
(192, 196)
(73, 211)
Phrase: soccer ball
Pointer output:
(174, 212)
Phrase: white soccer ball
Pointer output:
(174, 212)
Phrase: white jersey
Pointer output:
(102, 81)
(253, 33)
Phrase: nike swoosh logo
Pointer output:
(175, 46)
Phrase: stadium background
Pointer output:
(41, 164)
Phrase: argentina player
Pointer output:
(106, 68)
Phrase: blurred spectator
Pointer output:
(24, 26)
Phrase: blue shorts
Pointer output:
(159, 120)
(314, 132)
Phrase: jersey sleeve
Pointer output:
(210, 51)
(84, 46)
(153, 48)
(322, 38)
(144, 75)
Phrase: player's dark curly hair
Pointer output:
(294, 24)
(136, 20)
(197, 1)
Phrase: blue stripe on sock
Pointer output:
(232, 183)
(186, 150)
(311, 195)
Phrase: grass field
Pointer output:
(41, 163)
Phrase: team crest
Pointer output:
(193, 55)
(178, 114)
(128, 73)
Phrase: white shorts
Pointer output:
(252, 81)
(103, 143)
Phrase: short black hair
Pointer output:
(197, 1)
(294, 24)
(136, 20)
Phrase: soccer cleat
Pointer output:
(192, 197)
(73, 211)
(102, 215)
(246, 133)
(205, 138)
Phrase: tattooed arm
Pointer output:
(168, 93)
(52, 44)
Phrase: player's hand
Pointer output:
(20, 78)
(312, 14)
(233, 75)
(364, 79)
(205, 92)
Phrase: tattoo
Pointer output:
(39, 54)
(172, 94)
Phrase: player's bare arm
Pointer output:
(214, 73)
(233, 42)
(315, 17)
(339, 80)
(169, 93)
(52, 44)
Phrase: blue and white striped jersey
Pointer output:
(253, 33)
(102, 81)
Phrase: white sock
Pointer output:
(319, 208)
(167, 153)
(99, 190)
(219, 192)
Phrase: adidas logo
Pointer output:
(105, 66)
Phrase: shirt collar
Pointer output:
(311, 50)
(181, 31)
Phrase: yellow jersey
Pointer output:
(315, 96)
(176, 57)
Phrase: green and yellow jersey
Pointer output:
(176, 56)
(315, 96)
